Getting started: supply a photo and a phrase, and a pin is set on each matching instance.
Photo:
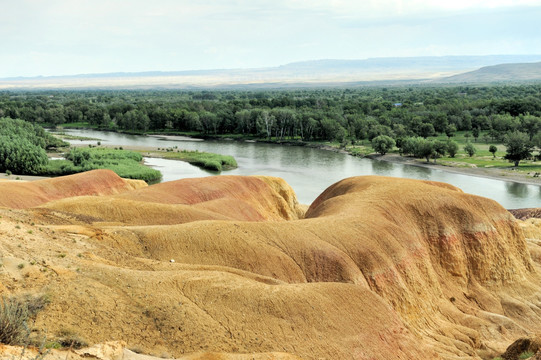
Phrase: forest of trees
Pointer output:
(23, 145)
(343, 115)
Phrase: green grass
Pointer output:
(126, 164)
(526, 355)
(483, 158)
(65, 136)
(208, 161)
(479, 161)
(175, 133)
(77, 125)
(480, 144)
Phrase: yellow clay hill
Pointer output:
(234, 267)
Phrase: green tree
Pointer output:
(424, 149)
(470, 149)
(518, 146)
(408, 145)
(531, 125)
(476, 131)
(493, 149)
(450, 130)
(440, 148)
(426, 130)
(20, 156)
(452, 148)
(383, 144)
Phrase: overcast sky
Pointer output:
(61, 37)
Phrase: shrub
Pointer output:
(13, 322)
(15, 314)
(493, 150)
(470, 149)
(69, 338)
(452, 148)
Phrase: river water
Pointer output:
(310, 171)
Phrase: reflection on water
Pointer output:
(174, 170)
(416, 172)
(382, 167)
(517, 190)
(309, 171)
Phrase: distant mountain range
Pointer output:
(373, 71)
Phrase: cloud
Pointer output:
(62, 37)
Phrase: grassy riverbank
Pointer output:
(204, 160)
(208, 161)
(482, 163)
(127, 164)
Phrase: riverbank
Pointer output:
(204, 160)
(489, 173)
(495, 173)
(482, 167)
(14, 177)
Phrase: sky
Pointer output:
(66, 37)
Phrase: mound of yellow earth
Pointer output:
(378, 268)
(177, 202)
(21, 194)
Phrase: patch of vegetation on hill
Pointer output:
(126, 164)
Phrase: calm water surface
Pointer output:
(310, 171)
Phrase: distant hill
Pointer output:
(499, 73)
(306, 73)
(433, 63)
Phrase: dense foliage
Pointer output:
(22, 146)
(340, 115)
(312, 114)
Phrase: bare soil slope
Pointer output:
(378, 268)
(22, 194)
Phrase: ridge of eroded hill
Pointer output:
(365, 274)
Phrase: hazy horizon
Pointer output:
(62, 37)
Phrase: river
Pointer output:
(310, 171)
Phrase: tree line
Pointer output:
(342, 115)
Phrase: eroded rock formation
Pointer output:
(377, 268)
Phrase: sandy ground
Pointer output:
(491, 173)
(14, 177)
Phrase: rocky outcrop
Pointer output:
(523, 214)
(531, 344)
